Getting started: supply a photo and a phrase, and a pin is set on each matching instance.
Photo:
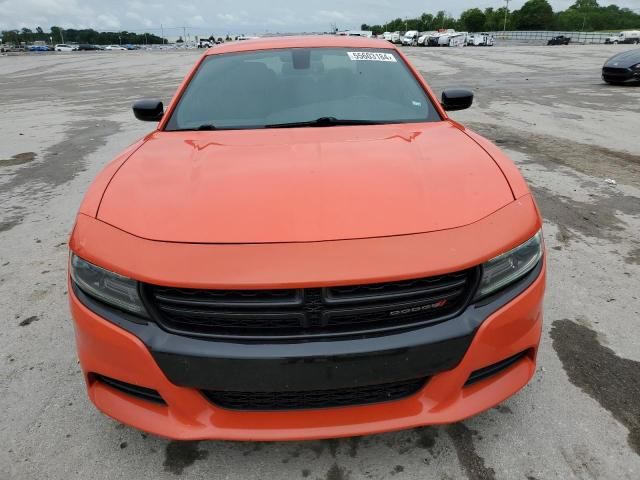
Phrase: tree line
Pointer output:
(583, 15)
(83, 36)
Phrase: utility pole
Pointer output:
(506, 13)
(184, 34)
(162, 30)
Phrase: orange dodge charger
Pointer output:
(305, 247)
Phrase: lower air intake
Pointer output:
(133, 390)
(494, 369)
(315, 398)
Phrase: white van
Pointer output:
(440, 38)
(444, 38)
(423, 38)
(410, 38)
(480, 40)
(629, 36)
(458, 39)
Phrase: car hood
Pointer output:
(624, 59)
(303, 184)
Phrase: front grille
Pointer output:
(342, 397)
(343, 310)
(616, 71)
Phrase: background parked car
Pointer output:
(410, 38)
(622, 68)
(13, 48)
(63, 47)
(423, 37)
(629, 36)
(450, 38)
(457, 39)
(559, 40)
(39, 48)
(115, 48)
(480, 40)
(433, 39)
(88, 47)
(396, 37)
(441, 38)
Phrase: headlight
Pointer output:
(510, 266)
(109, 287)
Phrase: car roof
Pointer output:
(312, 41)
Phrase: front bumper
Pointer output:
(178, 368)
(105, 348)
(620, 75)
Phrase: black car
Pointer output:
(559, 40)
(622, 68)
(88, 47)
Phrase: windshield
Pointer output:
(313, 87)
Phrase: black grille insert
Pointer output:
(134, 390)
(330, 311)
(315, 398)
(616, 71)
(494, 369)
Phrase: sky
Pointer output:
(251, 17)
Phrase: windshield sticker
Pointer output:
(371, 57)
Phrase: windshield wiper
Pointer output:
(324, 122)
(199, 128)
(318, 122)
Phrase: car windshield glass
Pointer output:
(314, 87)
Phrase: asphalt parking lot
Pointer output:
(65, 116)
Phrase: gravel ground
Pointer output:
(66, 115)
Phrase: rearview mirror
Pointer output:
(456, 99)
(148, 110)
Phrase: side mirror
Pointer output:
(148, 110)
(456, 99)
